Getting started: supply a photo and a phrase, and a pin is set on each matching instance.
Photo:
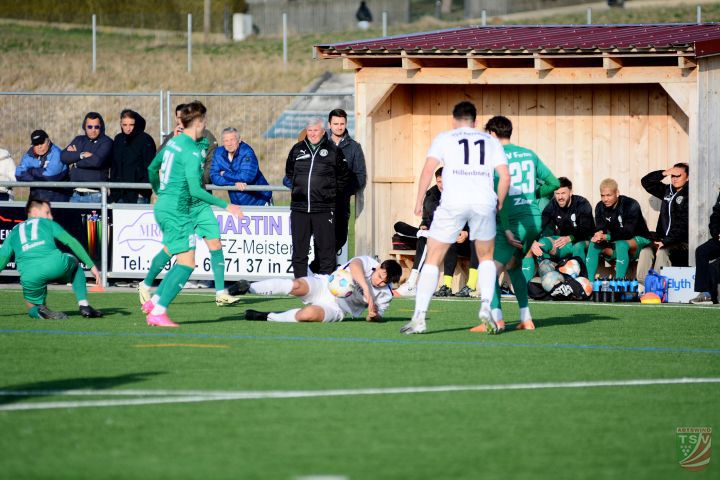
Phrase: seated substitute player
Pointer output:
(39, 261)
(205, 227)
(620, 230)
(371, 291)
(570, 219)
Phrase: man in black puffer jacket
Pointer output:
(706, 275)
(671, 233)
(133, 150)
(318, 173)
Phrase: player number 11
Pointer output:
(466, 146)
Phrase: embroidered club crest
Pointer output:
(679, 200)
(323, 153)
(693, 447)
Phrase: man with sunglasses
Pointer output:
(371, 291)
(89, 157)
(670, 245)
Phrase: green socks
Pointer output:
(173, 283)
(79, 284)
(528, 270)
(519, 282)
(156, 266)
(217, 260)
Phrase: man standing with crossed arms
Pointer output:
(470, 159)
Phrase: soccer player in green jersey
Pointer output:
(40, 261)
(176, 177)
(206, 227)
(520, 219)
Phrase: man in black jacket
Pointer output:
(318, 173)
(671, 233)
(133, 150)
(706, 277)
(568, 219)
(621, 230)
(89, 157)
(337, 119)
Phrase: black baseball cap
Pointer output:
(38, 137)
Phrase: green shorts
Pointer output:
(34, 281)
(206, 224)
(525, 229)
(177, 229)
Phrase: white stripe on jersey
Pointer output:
(469, 157)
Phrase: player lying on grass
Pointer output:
(40, 261)
(371, 291)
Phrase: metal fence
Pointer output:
(268, 122)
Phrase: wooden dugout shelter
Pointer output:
(594, 101)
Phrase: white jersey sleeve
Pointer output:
(355, 304)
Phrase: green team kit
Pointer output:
(39, 261)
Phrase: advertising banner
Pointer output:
(256, 246)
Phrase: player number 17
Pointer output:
(466, 146)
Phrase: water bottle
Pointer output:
(634, 290)
(621, 289)
(596, 289)
(613, 289)
(604, 289)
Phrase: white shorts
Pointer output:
(449, 220)
(319, 295)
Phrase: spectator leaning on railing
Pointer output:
(41, 163)
(89, 157)
(133, 150)
(7, 173)
(235, 164)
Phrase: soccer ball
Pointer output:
(546, 266)
(340, 283)
(586, 285)
(571, 267)
(550, 279)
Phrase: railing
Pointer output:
(104, 187)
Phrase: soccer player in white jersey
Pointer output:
(371, 291)
(470, 159)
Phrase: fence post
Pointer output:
(170, 116)
(589, 16)
(104, 243)
(384, 23)
(161, 115)
(94, 42)
(699, 14)
(284, 26)
(484, 18)
(189, 44)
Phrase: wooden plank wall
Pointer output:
(586, 133)
(707, 159)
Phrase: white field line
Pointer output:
(154, 397)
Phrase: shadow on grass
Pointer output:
(16, 393)
(541, 323)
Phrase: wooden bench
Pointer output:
(406, 258)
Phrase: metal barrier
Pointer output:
(103, 205)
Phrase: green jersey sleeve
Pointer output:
(194, 181)
(550, 183)
(62, 236)
(154, 171)
(6, 251)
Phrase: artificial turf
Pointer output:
(580, 432)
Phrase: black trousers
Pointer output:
(342, 221)
(322, 227)
(706, 278)
(465, 249)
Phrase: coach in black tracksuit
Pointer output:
(671, 233)
(620, 230)
(705, 276)
(318, 173)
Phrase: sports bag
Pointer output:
(657, 284)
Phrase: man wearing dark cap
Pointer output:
(89, 157)
(41, 163)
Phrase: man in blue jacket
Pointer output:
(41, 163)
(235, 164)
(89, 157)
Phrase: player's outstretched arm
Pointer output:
(194, 179)
(6, 253)
(358, 274)
(62, 236)
(426, 176)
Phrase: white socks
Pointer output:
(412, 279)
(426, 284)
(273, 286)
(525, 314)
(497, 314)
(155, 299)
(287, 317)
(83, 303)
(158, 310)
(486, 279)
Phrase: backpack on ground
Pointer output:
(657, 284)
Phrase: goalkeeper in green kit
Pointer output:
(176, 177)
(39, 261)
(519, 220)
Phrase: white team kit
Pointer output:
(335, 308)
(469, 158)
